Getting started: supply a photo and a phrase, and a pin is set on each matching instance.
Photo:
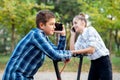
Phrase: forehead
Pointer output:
(75, 19)
(51, 20)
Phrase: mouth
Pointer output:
(53, 31)
(75, 28)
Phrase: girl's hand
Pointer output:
(72, 31)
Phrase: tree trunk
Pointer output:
(110, 40)
(117, 41)
(12, 37)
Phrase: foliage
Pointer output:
(105, 17)
(4, 41)
(118, 53)
(67, 9)
(19, 16)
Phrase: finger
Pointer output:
(57, 31)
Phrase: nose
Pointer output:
(54, 26)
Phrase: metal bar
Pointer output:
(57, 70)
(80, 67)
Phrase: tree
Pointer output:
(104, 15)
(18, 19)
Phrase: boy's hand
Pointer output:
(62, 33)
(67, 60)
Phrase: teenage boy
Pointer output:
(30, 52)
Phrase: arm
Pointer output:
(61, 43)
(40, 41)
(89, 50)
(72, 40)
(62, 40)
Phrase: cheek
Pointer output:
(77, 29)
(80, 25)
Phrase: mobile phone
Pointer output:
(73, 29)
(58, 27)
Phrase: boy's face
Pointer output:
(49, 27)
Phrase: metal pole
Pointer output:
(57, 70)
(80, 67)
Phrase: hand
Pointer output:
(62, 33)
(67, 60)
(73, 31)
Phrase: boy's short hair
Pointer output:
(43, 16)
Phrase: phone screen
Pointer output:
(58, 27)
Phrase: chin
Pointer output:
(51, 33)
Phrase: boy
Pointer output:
(30, 52)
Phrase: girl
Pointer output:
(89, 42)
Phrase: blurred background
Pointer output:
(17, 17)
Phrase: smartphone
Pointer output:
(73, 29)
(58, 27)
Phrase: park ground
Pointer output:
(64, 75)
(46, 72)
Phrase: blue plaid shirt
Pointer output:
(29, 55)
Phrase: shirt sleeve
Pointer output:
(91, 37)
(41, 42)
(61, 43)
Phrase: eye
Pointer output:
(52, 24)
(75, 23)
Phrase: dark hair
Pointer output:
(43, 16)
(81, 16)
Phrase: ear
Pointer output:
(83, 22)
(41, 25)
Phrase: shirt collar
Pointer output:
(39, 30)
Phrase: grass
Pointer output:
(3, 61)
(115, 63)
(72, 66)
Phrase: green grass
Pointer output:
(115, 63)
(3, 61)
(72, 66)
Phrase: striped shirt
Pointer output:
(90, 37)
(29, 55)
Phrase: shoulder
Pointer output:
(37, 31)
(91, 29)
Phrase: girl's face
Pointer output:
(79, 25)
(49, 27)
